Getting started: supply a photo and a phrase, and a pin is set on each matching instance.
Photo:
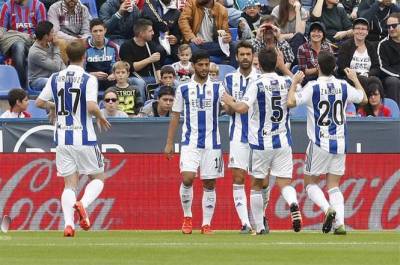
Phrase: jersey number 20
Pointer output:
(337, 113)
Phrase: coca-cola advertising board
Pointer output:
(142, 192)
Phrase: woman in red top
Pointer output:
(375, 106)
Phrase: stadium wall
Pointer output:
(142, 190)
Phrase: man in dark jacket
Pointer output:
(165, 16)
(389, 58)
(377, 12)
(119, 19)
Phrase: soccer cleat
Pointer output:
(262, 232)
(328, 220)
(340, 230)
(206, 230)
(83, 217)
(266, 225)
(69, 231)
(187, 225)
(296, 217)
(246, 230)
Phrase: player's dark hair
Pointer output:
(326, 63)
(75, 51)
(16, 94)
(244, 44)
(199, 55)
(267, 59)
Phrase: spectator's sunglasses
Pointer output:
(393, 26)
(108, 100)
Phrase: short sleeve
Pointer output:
(303, 95)
(353, 95)
(91, 89)
(251, 94)
(178, 101)
(47, 92)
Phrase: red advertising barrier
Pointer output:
(142, 192)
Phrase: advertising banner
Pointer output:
(142, 192)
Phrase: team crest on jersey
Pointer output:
(192, 92)
(209, 92)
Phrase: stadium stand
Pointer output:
(392, 105)
(8, 73)
(35, 111)
(225, 69)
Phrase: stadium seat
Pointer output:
(351, 109)
(225, 69)
(91, 5)
(299, 112)
(216, 59)
(8, 73)
(234, 33)
(35, 111)
(394, 108)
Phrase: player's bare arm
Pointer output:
(297, 79)
(173, 125)
(352, 75)
(238, 107)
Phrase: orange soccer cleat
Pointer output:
(187, 225)
(83, 217)
(69, 231)
(206, 230)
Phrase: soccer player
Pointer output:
(269, 136)
(199, 100)
(326, 99)
(236, 84)
(74, 93)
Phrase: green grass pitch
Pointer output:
(225, 247)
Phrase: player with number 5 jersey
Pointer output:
(269, 136)
(74, 93)
(326, 99)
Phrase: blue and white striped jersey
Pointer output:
(326, 99)
(236, 85)
(269, 126)
(200, 105)
(70, 89)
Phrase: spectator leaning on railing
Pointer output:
(161, 107)
(44, 57)
(111, 105)
(17, 32)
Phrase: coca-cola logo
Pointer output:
(32, 196)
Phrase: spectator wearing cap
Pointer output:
(337, 23)
(268, 36)
(249, 20)
(161, 107)
(307, 54)
(389, 58)
(377, 13)
(202, 22)
(111, 105)
(359, 54)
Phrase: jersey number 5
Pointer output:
(277, 111)
(61, 99)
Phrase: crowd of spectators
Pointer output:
(140, 51)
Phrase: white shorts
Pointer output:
(86, 160)
(279, 161)
(318, 161)
(209, 161)
(239, 155)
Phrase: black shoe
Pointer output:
(246, 230)
(328, 220)
(262, 232)
(296, 217)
